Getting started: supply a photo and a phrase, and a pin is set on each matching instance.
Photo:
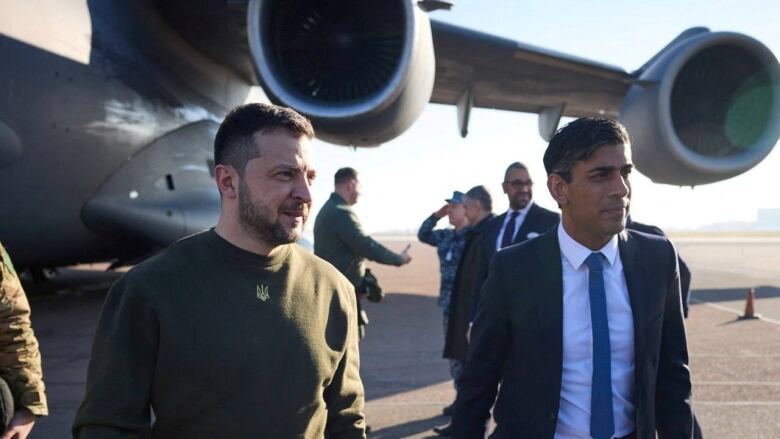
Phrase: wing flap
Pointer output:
(507, 75)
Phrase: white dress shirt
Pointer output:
(518, 222)
(574, 412)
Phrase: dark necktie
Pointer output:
(509, 229)
(602, 423)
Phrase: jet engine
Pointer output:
(362, 71)
(705, 109)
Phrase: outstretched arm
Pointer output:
(348, 229)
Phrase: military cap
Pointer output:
(457, 197)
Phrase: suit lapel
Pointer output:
(527, 226)
(549, 296)
(492, 232)
(634, 272)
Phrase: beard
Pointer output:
(520, 201)
(257, 219)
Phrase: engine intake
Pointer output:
(708, 108)
(362, 71)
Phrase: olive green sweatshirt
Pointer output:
(223, 343)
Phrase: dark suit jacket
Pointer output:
(685, 272)
(517, 340)
(456, 343)
(537, 221)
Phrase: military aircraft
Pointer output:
(109, 108)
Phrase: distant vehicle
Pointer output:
(108, 108)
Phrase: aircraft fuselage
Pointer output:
(83, 93)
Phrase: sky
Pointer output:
(406, 179)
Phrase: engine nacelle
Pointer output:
(362, 71)
(705, 110)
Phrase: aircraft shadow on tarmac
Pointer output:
(410, 428)
(732, 294)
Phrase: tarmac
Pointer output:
(734, 363)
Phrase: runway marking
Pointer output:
(737, 383)
(694, 355)
(728, 240)
(737, 403)
(696, 402)
(734, 311)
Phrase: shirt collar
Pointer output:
(576, 253)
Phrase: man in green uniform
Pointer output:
(339, 238)
(20, 360)
(235, 332)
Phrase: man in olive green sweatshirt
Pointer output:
(339, 238)
(236, 332)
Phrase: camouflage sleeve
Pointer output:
(20, 359)
(426, 233)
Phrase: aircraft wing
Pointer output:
(703, 109)
(507, 75)
(145, 82)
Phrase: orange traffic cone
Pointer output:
(749, 308)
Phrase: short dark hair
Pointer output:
(234, 143)
(344, 175)
(513, 166)
(578, 140)
(481, 194)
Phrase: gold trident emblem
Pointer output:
(262, 292)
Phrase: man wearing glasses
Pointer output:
(523, 220)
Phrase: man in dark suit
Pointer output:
(583, 326)
(685, 272)
(685, 289)
(523, 220)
